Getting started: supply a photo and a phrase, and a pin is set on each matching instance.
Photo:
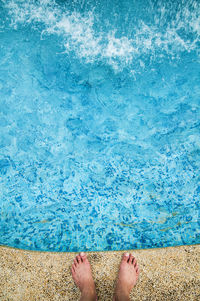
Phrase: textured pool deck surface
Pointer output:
(165, 274)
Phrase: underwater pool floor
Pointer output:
(99, 124)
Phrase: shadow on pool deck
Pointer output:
(165, 274)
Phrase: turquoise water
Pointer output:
(99, 124)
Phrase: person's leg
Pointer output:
(82, 275)
(127, 278)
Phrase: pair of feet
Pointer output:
(127, 277)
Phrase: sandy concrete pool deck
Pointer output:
(165, 274)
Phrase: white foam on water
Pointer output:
(81, 37)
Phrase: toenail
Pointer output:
(126, 254)
(82, 254)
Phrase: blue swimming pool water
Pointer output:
(99, 124)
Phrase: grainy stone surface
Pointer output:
(165, 274)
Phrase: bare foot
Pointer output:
(82, 275)
(127, 277)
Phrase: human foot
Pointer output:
(127, 277)
(82, 275)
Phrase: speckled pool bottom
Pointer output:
(168, 274)
(99, 124)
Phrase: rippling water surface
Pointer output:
(99, 124)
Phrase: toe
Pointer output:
(134, 262)
(75, 262)
(137, 272)
(83, 256)
(131, 258)
(125, 257)
(73, 268)
(78, 258)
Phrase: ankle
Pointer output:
(88, 294)
(121, 295)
